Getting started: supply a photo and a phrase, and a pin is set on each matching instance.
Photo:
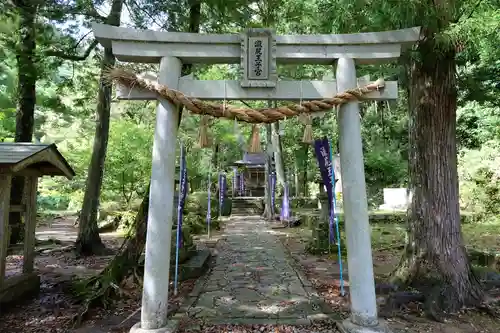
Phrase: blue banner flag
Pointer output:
(273, 192)
(242, 184)
(235, 179)
(325, 163)
(285, 205)
(222, 191)
(209, 200)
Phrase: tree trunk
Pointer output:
(26, 100)
(194, 17)
(278, 155)
(305, 189)
(435, 250)
(88, 241)
(194, 26)
(215, 158)
(125, 262)
(99, 288)
(296, 178)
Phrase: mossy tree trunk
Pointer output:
(26, 99)
(125, 262)
(435, 253)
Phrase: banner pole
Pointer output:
(209, 204)
(334, 207)
(179, 218)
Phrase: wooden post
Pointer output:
(30, 224)
(5, 183)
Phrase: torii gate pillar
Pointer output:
(161, 200)
(355, 204)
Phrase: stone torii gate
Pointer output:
(258, 51)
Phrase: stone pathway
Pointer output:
(253, 281)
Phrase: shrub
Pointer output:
(479, 173)
(53, 202)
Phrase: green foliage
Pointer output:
(479, 174)
(477, 124)
(128, 162)
(195, 211)
(66, 96)
(53, 202)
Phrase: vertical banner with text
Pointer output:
(222, 191)
(273, 192)
(322, 150)
(235, 181)
(242, 184)
(285, 205)
(209, 201)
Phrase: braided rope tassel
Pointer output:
(254, 146)
(203, 139)
(306, 119)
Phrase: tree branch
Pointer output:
(73, 57)
(58, 10)
(462, 14)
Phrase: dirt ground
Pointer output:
(323, 271)
(52, 310)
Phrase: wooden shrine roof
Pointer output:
(33, 158)
(254, 160)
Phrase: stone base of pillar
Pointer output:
(172, 327)
(348, 327)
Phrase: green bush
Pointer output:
(197, 203)
(297, 203)
(195, 212)
(479, 173)
(187, 245)
(303, 202)
(384, 167)
(53, 202)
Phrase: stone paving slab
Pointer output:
(253, 280)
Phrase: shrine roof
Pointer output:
(40, 159)
(252, 159)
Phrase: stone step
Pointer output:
(246, 203)
(248, 211)
(245, 211)
(195, 266)
(246, 206)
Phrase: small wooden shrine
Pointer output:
(30, 161)
(252, 171)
